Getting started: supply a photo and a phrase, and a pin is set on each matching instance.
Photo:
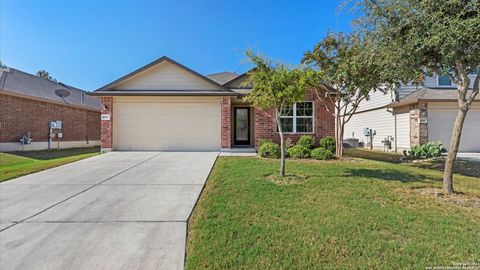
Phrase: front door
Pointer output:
(241, 118)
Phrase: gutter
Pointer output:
(159, 93)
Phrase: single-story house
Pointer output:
(167, 106)
(39, 111)
(414, 115)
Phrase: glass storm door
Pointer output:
(242, 126)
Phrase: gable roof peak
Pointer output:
(154, 63)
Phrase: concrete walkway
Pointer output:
(469, 156)
(121, 210)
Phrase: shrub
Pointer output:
(307, 141)
(268, 149)
(262, 141)
(430, 149)
(328, 143)
(321, 154)
(299, 151)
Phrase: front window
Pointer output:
(297, 119)
(444, 80)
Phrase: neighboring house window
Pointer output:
(444, 80)
(298, 119)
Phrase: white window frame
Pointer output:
(294, 118)
(438, 81)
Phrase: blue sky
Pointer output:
(90, 43)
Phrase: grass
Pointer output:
(374, 155)
(15, 164)
(339, 214)
(462, 166)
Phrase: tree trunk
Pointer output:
(282, 146)
(282, 155)
(453, 150)
(338, 135)
(340, 141)
(464, 105)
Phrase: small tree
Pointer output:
(45, 75)
(277, 87)
(433, 37)
(344, 73)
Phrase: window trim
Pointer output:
(442, 85)
(294, 118)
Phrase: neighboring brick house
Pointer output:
(28, 104)
(167, 106)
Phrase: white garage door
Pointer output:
(167, 126)
(440, 125)
(403, 129)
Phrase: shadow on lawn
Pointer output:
(389, 175)
(462, 166)
(56, 153)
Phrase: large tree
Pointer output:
(433, 37)
(344, 73)
(277, 87)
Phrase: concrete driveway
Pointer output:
(121, 210)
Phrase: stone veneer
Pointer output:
(418, 131)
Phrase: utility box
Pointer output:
(56, 124)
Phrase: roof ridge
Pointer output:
(222, 72)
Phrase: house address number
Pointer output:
(105, 117)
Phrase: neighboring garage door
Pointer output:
(440, 124)
(168, 125)
(403, 129)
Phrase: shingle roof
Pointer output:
(429, 94)
(222, 77)
(25, 84)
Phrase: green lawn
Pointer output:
(463, 167)
(342, 214)
(15, 164)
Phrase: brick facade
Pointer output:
(418, 131)
(19, 116)
(265, 125)
(226, 133)
(107, 125)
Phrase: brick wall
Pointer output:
(265, 125)
(418, 132)
(18, 116)
(107, 125)
(226, 123)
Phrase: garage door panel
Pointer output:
(440, 127)
(167, 126)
